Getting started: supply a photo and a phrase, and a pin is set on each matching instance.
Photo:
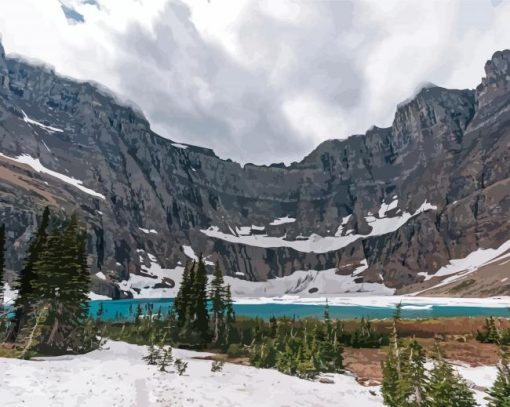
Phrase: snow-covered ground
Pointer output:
(117, 376)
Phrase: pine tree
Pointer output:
(200, 314)
(230, 317)
(326, 311)
(446, 388)
(499, 394)
(58, 282)
(62, 282)
(396, 387)
(152, 356)
(26, 294)
(183, 300)
(165, 358)
(391, 390)
(180, 366)
(218, 305)
(2, 264)
(217, 366)
(413, 378)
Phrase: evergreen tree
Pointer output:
(326, 311)
(413, 379)
(2, 264)
(183, 300)
(165, 358)
(217, 296)
(152, 356)
(446, 388)
(499, 394)
(230, 317)
(217, 366)
(26, 294)
(199, 311)
(59, 283)
(391, 389)
(180, 366)
(491, 333)
(404, 373)
(63, 283)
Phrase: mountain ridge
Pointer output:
(184, 192)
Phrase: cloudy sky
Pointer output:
(261, 81)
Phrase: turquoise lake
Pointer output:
(126, 309)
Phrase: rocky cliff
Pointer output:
(392, 206)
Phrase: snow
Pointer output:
(387, 207)
(362, 268)
(98, 297)
(368, 299)
(339, 231)
(36, 165)
(142, 286)
(459, 268)
(49, 129)
(316, 243)
(45, 145)
(116, 376)
(181, 146)
(10, 294)
(147, 231)
(101, 275)
(281, 221)
(300, 282)
(189, 252)
(480, 375)
(471, 262)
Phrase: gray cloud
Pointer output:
(285, 76)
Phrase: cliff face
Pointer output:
(392, 205)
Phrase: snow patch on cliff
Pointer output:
(282, 221)
(147, 231)
(155, 282)
(189, 252)
(37, 166)
(316, 243)
(49, 129)
(459, 268)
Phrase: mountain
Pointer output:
(398, 209)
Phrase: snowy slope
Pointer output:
(37, 166)
(117, 376)
(315, 243)
(299, 283)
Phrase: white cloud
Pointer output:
(262, 81)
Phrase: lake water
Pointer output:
(126, 309)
